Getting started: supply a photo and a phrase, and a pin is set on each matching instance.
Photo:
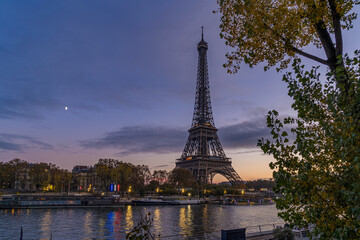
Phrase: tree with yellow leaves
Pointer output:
(274, 31)
(317, 154)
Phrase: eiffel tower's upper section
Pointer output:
(203, 115)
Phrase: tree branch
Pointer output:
(337, 28)
(333, 52)
(329, 205)
(302, 53)
(327, 43)
(289, 46)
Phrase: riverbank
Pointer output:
(91, 201)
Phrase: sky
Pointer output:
(126, 71)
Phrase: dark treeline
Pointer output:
(18, 174)
(106, 175)
(260, 184)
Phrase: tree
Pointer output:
(182, 177)
(275, 31)
(43, 174)
(7, 175)
(317, 167)
(2, 175)
(160, 176)
(153, 185)
(114, 171)
(102, 172)
(258, 184)
(283, 234)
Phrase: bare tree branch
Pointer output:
(327, 43)
(315, 58)
(337, 28)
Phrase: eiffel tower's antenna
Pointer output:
(202, 32)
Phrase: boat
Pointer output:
(186, 202)
(149, 201)
(156, 201)
(55, 201)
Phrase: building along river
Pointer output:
(203, 221)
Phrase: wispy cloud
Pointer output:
(255, 150)
(19, 143)
(161, 166)
(140, 139)
(10, 146)
(24, 97)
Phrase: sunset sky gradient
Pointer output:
(126, 70)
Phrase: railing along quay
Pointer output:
(258, 232)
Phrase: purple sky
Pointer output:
(126, 70)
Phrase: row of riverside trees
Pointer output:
(138, 178)
(20, 175)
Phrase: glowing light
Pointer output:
(49, 187)
(129, 189)
(66, 108)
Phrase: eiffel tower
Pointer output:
(203, 154)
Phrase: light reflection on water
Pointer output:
(157, 221)
(129, 217)
(46, 220)
(87, 223)
(114, 223)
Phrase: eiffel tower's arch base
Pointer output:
(204, 171)
(228, 173)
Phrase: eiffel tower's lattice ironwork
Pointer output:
(203, 154)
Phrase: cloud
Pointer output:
(257, 150)
(25, 97)
(243, 135)
(10, 146)
(161, 166)
(149, 139)
(141, 139)
(15, 142)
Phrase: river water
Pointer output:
(171, 222)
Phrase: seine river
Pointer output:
(171, 222)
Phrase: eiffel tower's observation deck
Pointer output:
(203, 154)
